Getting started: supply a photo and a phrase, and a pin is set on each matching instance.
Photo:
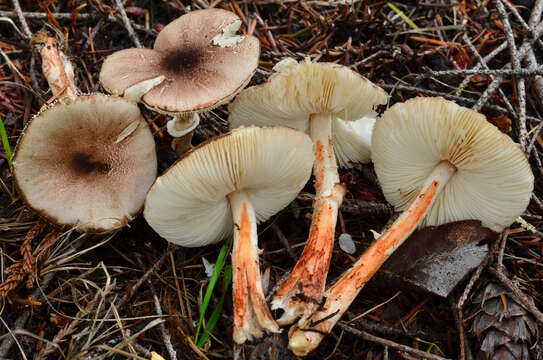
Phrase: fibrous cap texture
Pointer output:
(87, 163)
(203, 61)
(188, 205)
(493, 181)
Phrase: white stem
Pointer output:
(325, 168)
(251, 313)
(181, 125)
(307, 334)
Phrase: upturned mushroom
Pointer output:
(321, 99)
(197, 63)
(86, 162)
(229, 184)
(438, 162)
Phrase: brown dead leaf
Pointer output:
(502, 122)
(437, 258)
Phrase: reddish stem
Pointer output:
(301, 293)
(251, 313)
(307, 334)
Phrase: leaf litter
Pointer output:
(80, 309)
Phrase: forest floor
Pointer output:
(65, 295)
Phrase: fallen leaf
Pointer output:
(502, 122)
(437, 258)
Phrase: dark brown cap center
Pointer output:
(83, 164)
(182, 61)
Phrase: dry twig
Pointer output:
(24, 24)
(369, 337)
(166, 337)
(127, 24)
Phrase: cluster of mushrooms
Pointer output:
(89, 162)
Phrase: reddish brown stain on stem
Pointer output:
(397, 233)
(319, 150)
(245, 227)
(241, 257)
(319, 166)
(248, 298)
(376, 255)
(330, 149)
(309, 274)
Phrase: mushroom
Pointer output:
(438, 162)
(321, 99)
(86, 162)
(231, 182)
(200, 58)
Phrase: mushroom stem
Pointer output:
(301, 293)
(182, 144)
(56, 67)
(182, 125)
(251, 313)
(325, 167)
(307, 334)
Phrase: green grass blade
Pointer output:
(404, 17)
(312, 26)
(454, 91)
(217, 312)
(5, 142)
(219, 264)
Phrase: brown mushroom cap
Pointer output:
(86, 163)
(204, 63)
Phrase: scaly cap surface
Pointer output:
(86, 162)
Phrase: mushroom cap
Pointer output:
(493, 181)
(204, 62)
(88, 162)
(352, 140)
(188, 204)
(298, 90)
